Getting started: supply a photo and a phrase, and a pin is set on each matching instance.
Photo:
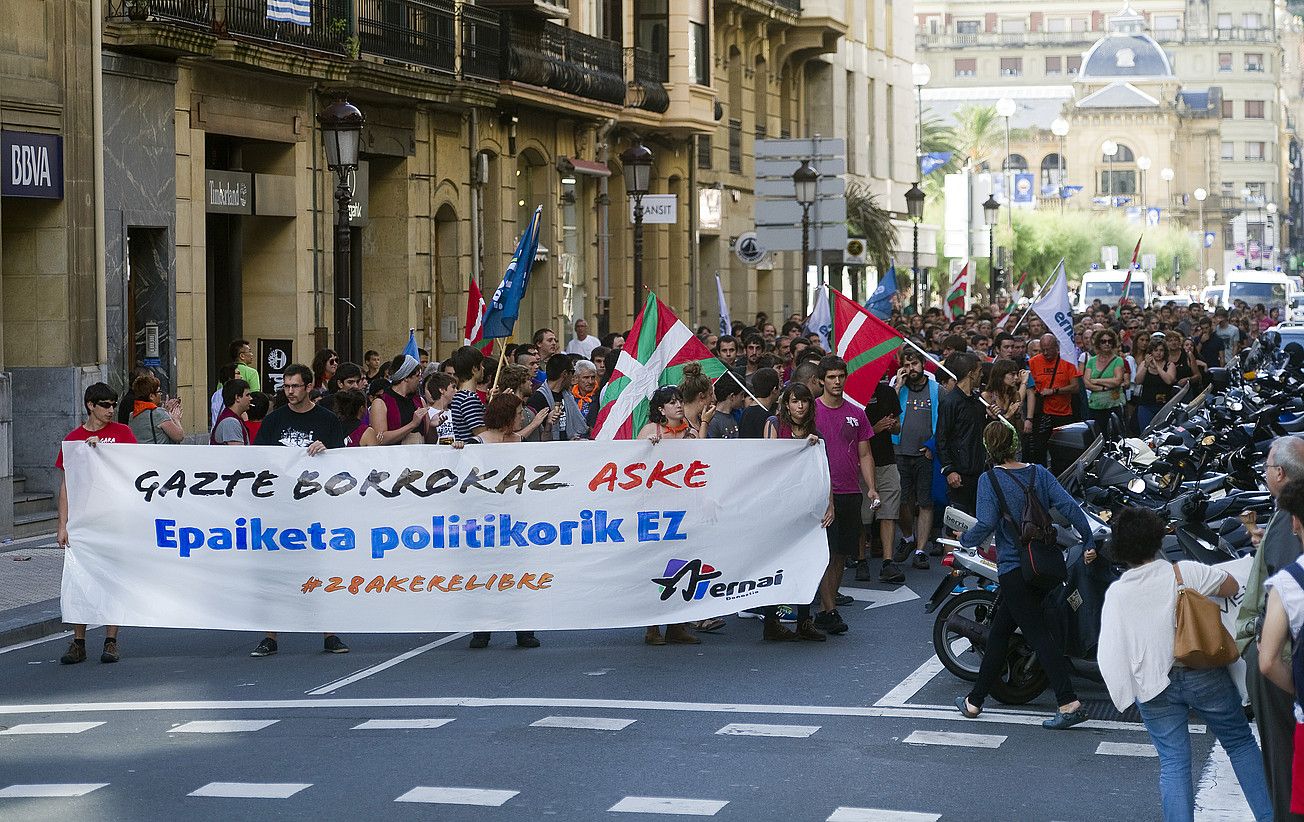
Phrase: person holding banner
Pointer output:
(398, 415)
(99, 400)
(300, 423)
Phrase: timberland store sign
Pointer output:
(31, 165)
(228, 192)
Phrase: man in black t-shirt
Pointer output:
(300, 423)
(765, 387)
(884, 414)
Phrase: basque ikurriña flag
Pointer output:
(865, 342)
(958, 296)
(655, 353)
(500, 319)
(1127, 280)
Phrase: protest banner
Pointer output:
(544, 536)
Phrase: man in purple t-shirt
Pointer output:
(846, 433)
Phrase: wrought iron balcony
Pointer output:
(481, 43)
(420, 32)
(326, 29)
(555, 57)
(647, 73)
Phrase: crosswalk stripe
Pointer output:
(586, 723)
(668, 805)
(400, 724)
(457, 796)
(50, 728)
(49, 790)
(955, 739)
(749, 729)
(222, 726)
(880, 815)
(251, 790)
(1126, 749)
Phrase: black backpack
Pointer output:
(1040, 557)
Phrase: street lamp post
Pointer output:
(915, 209)
(1005, 107)
(1110, 148)
(805, 182)
(1166, 174)
(1270, 235)
(636, 165)
(1200, 194)
(920, 75)
(1060, 128)
(991, 211)
(341, 133)
(1143, 163)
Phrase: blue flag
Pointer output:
(880, 302)
(932, 161)
(500, 316)
(411, 348)
(1068, 191)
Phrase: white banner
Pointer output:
(544, 536)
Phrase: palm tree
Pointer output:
(935, 137)
(979, 134)
(866, 218)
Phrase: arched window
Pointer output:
(1016, 162)
(1053, 171)
(1124, 155)
(1118, 175)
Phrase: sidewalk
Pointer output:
(30, 573)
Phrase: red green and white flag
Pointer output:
(866, 343)
(1015, 294)
(655, 353)
(1127, 280)
(954, 304)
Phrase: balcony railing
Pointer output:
(420, 32)
(646, 74)
(181, 11)
(328, 29)
(957, 40)
(481, 43)
(558, 58)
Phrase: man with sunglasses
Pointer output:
(99, 402)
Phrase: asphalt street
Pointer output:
(592, 725)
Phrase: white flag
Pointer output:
(1057, 314)
(821, 319)
(298, 12)
(726, 322)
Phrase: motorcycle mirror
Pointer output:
(1222, 378)
(1136, 485)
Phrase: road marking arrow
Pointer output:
(878, 599)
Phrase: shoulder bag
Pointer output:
(1201, 640)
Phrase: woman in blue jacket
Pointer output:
(1020, 604)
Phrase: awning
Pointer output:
(574, 165)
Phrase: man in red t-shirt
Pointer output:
(1051, 404)
(99, 401)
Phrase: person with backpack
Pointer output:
(1283, 623)
(1014, 499)
(1138, 661)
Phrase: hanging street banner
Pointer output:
(529, 536)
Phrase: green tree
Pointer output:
(979, 135)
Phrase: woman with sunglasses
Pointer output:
(323, 368)
(1105, 377)
(666, 421)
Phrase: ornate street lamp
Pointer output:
(636, 164)
(341, 135)
(1166, 174)
(1143, 163)
(805, 184)
(991, 212)
(1060, 128)
(1200, 194)
(1110, 148)
(915, 209)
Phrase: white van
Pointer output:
(1107, 286)
(1272, 289)
(1214, 296)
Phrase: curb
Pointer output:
(35, 621)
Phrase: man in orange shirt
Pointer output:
(1051, 404)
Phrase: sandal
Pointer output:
(708, 625)
(962, 702)
(1062, 721)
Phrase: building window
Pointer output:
(1253, 62)
(1011, 66)
(1072, 65)
(1016, 162)
(1053, 66)
(1254, 151)
(1251, 20)
(1256, 191)
(968, 26)
(1080, 24)
(1254, 109)
(966, 66)
(1123, 155)
(1051, 175)
(1224, 61)
(1228, 189)
(1124, 182)
(1056, 25)
(1228, 150)
(1013, 25)
(704, 149)
(699, 53)
(1228, 109)
(1168, 23)
(1224, 20)
(736, 146)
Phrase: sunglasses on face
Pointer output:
(105, 403)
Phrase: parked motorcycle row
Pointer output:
(1200, 464)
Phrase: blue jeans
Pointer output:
(1212, 695)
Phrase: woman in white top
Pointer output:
(1137, 628)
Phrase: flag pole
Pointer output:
(741, 383)
(990, 408)
(1037, 294)
(498, 372)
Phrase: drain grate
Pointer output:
(1103, 709)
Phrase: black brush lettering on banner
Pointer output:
(515, 479)
(374, 479)
(407, 481)
(473, 480)
(307, 485)
(341, 483)
(203, 483)
(547, 472)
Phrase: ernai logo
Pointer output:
(692, 578)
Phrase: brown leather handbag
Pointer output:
(1201, 640)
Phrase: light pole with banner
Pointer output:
(1060, 128)
(991, 212)
(1200, 194)
(341, 133)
